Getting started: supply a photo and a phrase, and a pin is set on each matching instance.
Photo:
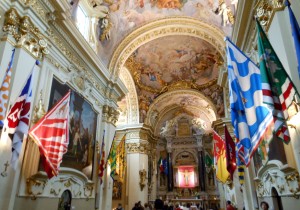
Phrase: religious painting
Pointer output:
(117, 190)
(186, 177)
(82, 129)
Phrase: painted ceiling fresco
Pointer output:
(174, 58)
(120, 17)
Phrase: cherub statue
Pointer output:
(226, 13)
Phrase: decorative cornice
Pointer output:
(266, 9)
(25, 33)
(166, 27)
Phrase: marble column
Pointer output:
(137, 147)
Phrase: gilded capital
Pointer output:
(137, 148)
(110, 114)
(25, 33)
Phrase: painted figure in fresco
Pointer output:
(169, 4)
(144, 106)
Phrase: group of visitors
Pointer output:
(263, 205)
(160, 205)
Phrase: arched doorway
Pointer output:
(276, 199)
(65, 200)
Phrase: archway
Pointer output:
(65, 200)
(276, 200)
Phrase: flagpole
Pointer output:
(98, 186)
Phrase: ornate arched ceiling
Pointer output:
(174, 49)
(118, 18)
(178, 103)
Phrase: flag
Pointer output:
(278, 89)
(4, 90)
(121, 161)
(102, 159)
(208, 162)
(112, 159)
(240, 160)
(16, 123)
(165, 166)
(250, 117)
(51, 134)
(160, 165)
(220, 158)
(296, 33)
(230, 153)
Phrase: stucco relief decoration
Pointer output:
(225, 12)
(25, 33)
(125, 16)
(284, 179)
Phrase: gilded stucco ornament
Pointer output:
(25, 33)
(265, 10)
(35, 186)
(39, 110)
(137, 148)
(28, 2)
(110, 114)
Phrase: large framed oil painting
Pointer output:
(82, 129)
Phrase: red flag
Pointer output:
(102, 160)
(218, 145)
(51, 134)
(230, 153)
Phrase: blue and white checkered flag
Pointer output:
(250, 117)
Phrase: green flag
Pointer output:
(278, 89)
(112, 158)
(208, 162)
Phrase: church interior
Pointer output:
(151, 75)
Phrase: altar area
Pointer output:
(185, 173)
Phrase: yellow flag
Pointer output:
(222, 173)
(121, 161)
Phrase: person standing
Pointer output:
(229, 206)
(158, 204)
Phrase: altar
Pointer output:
(205, 204)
